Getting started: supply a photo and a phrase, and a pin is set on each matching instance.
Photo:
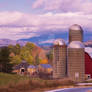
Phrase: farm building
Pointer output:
(46, 68)
(21, 68)
(76, 61)
(59, 58)
(88, 65)
(45, 71)
(31, 69)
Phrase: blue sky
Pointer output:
(43, 21)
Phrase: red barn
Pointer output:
(88, 65)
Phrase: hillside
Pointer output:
(6, 42)
(88, 43)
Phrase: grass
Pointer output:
(16, 83)
(6, 79)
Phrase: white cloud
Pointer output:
(64, 5)
(17, 25)
(15, 33)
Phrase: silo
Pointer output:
(59, 59)
(76, 61)
(75, 33)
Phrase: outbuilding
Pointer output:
(21, 68)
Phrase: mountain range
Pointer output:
(6, 42)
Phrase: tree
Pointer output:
(17, 49)
(37, 60)
(26, 55)
(29, 46)
(4, 60)
(50, 57)
(15, 60)
(44, 61)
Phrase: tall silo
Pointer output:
(76, 61)
(75, 33)
(59, 58)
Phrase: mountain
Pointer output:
(6, 42)
(88, 43)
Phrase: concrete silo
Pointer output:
(59, 59)
(75, 33)
(76, 61)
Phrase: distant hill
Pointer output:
(6, 42)
(88, 43)
(37, 49)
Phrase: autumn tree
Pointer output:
(43, 61)
(29, 46)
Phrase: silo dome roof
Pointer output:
(76, 44)
(75, 27)
(59, 42)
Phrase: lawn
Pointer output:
(6, 79)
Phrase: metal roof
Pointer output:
(31, 66)
(76, 44)
(46, 65)
(59, 42)
(75, 27)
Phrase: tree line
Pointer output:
(14, 55)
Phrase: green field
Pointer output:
(6, 79)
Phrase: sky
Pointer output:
(44, 20)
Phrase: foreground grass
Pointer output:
(17, 83)
(6, 79)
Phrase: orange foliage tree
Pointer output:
(43, 61)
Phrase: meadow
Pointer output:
(6, 79)
(17, 83)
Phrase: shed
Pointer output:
(46, 68)
(21, 68)
(31, 69)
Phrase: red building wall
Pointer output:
(88, 64)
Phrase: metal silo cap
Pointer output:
(59, 42)
(76, 44)
(75, 27)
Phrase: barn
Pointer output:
(21, 68)
(88, 65)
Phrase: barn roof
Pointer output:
(23, 64)
(31, 66)
(46, 65)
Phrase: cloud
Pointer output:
(47, 41)
(18, 25)
(64, 5)
(15, 33)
